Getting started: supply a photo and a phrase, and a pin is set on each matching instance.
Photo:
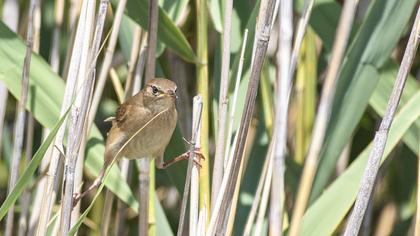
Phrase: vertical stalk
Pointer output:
(106, 64)
(20, 116)
(50, 191)
(144, 185)
(10, 17)
(203, 90)
(323, 114)
(217, 223)
(197, 118)
(376, 153)
(284, 79)
(417, 224)
(55, 46)
(26, 195)
(195, 174)
(235, 98)
(223, 103)
(303, 23)
(85, 78)
(305, 91)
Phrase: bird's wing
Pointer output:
(122, 113)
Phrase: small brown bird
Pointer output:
(143, 127)
(148, 119)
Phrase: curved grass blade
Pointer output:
(344, 190)
(26, 176)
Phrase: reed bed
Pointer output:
(288, 110)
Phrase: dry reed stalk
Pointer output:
(50, 191)
(26, 195)
(323, 114)
(197, 118)
(106, 213)
(219, 155)
(300, 32)
(85, 78)
(284, 79)
(118, 88)
(106, 63)
(248, 147)
(379, 142)
(19, 126)
(195, 169)
(132, 63)
(144, 185)
(258, 193)
(263, 35)
(265, 196)
(10, 17)
(54, 61)
(201, 225)
(235, 98)
(141, 62)
(93, 56)
(55, 46)
(121, 207)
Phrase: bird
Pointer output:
(142, 128)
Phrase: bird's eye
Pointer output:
(154, 90)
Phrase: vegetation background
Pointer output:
(190, 51)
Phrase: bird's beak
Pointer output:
(173, 94)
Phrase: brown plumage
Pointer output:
(149, 119)
(142, 128)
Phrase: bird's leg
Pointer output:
(95, 184)
(184, 156)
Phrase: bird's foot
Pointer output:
(185, 156)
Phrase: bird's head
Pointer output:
(160, 93)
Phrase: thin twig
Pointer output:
(381, 135)
(55, 46)
(197, 117)
(141, 62)
(265, 196)
(26, 195)
(284, 79)
(20, 116)
(264, 29)
(223, 103)
(258, 194)
(132, 63)
(301, 29)
(235, 97)
(323, 114)
(106, 64)
(119, 90)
